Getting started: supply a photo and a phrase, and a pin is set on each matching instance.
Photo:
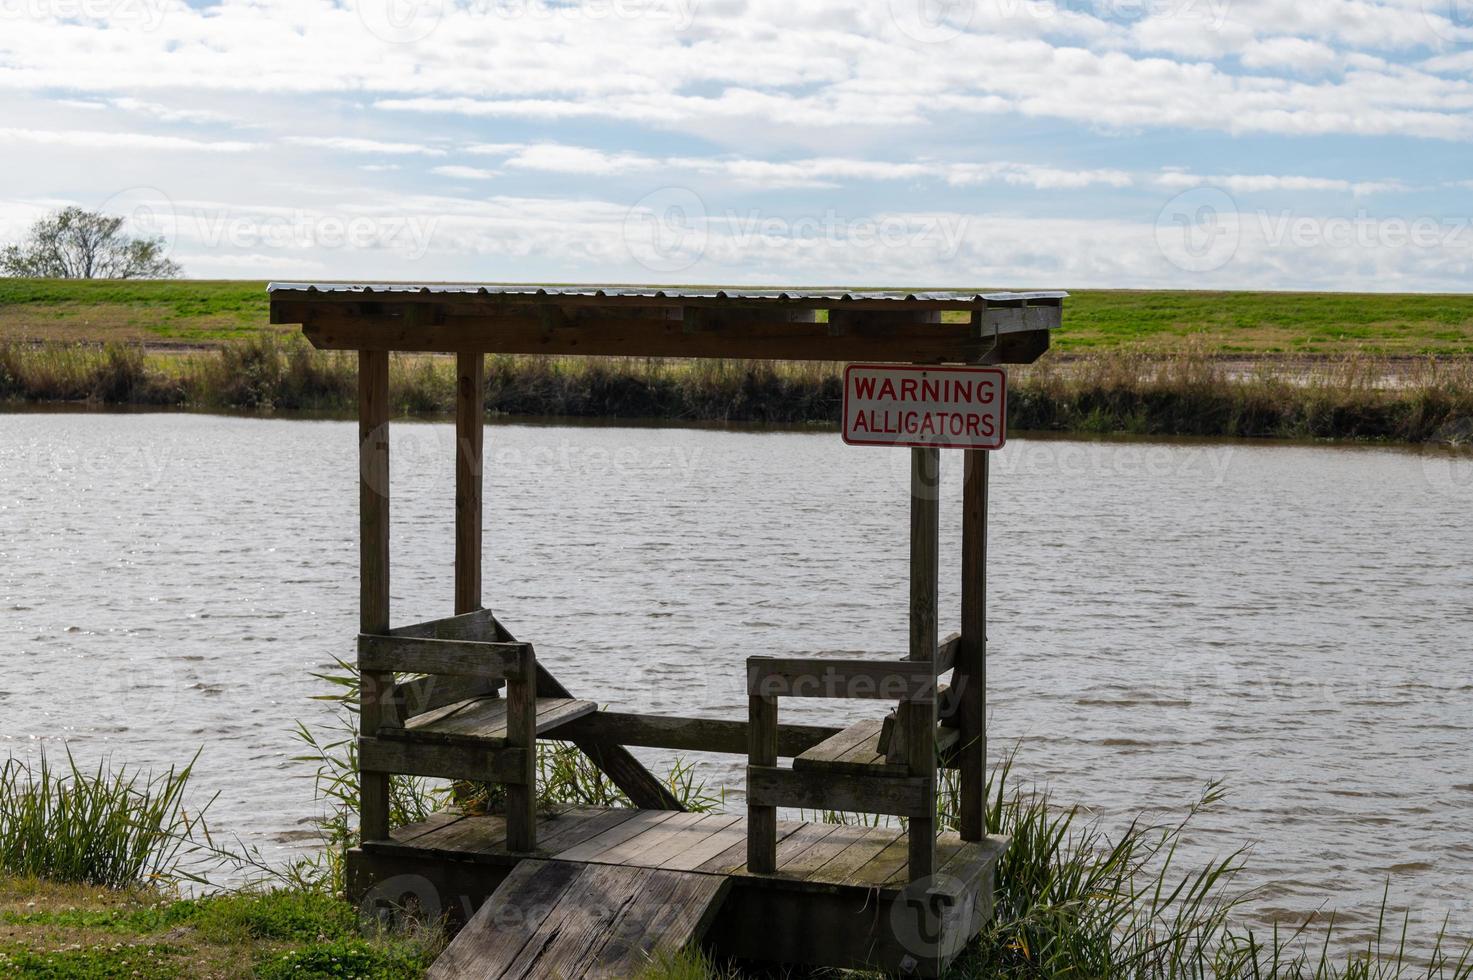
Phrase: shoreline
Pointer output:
(1357, 398)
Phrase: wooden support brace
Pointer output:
(373, 536)
(970, 680)
(761, 755)
(769, 787)
(783, 677)
(470, 427)
(460, 658)
(917, 719)
(615, 761)
(468, 761)
(690, 734)
(521, 733)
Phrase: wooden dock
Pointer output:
(831, 902)
(596, 892)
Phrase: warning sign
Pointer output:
(940, 407)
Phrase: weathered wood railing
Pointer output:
(476, 669)
(856, 787)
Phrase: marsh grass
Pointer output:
(103, 827)
(1075, 901)
(1191, 393)
(1187, 392)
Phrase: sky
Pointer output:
(1191, 144)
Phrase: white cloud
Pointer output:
(557, 158)
(734, 100)
(165, 113)
(464, 173)
(346, 144)
(1258, 183)
(724, 71)
(1293, 53)
(815, 172)
(92, 139)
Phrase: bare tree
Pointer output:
(78, 244)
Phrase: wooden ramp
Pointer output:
(560, 920)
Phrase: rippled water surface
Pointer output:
(1293, 620)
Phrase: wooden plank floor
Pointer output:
(815, 855)
(559, 919)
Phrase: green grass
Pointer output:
(1268, 323)
(103, 827)
(207, 313)
(176, 310)
(49, 930)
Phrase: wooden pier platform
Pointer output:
(840, 896)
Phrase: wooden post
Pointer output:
(521, 733)
(918, 718)
(373, 543)
(970, 677)
(470, 427)
(761, 751)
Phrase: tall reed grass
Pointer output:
(102, 827)
(1187, 393)
(1074, 901)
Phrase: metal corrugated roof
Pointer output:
(960, 297)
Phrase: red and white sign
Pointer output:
(940, 407)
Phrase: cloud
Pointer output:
(165, 113)
(1260, 183)
(729, 69)
(92, 139)
(815, 172)
(576, 107)
(557, 158)
(345, 144)
(1293, 53)
(464, 173)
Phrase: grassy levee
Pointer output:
(1305, 365)
(208, 313)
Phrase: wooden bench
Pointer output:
(853, 770)
(450, 721)
(485, 720)
(863, 749)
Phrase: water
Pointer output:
(1293, 620)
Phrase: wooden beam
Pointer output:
(521, 733)
(917, 719)
(682, 734)
(477, 625)
(470, 427)
(618, 763)
(769, 787)
(785, 677)
(444, 761)
(970, 680)
(761, 756)
(446, 328)
(459, 658)
(373, 557)
(491, 301)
